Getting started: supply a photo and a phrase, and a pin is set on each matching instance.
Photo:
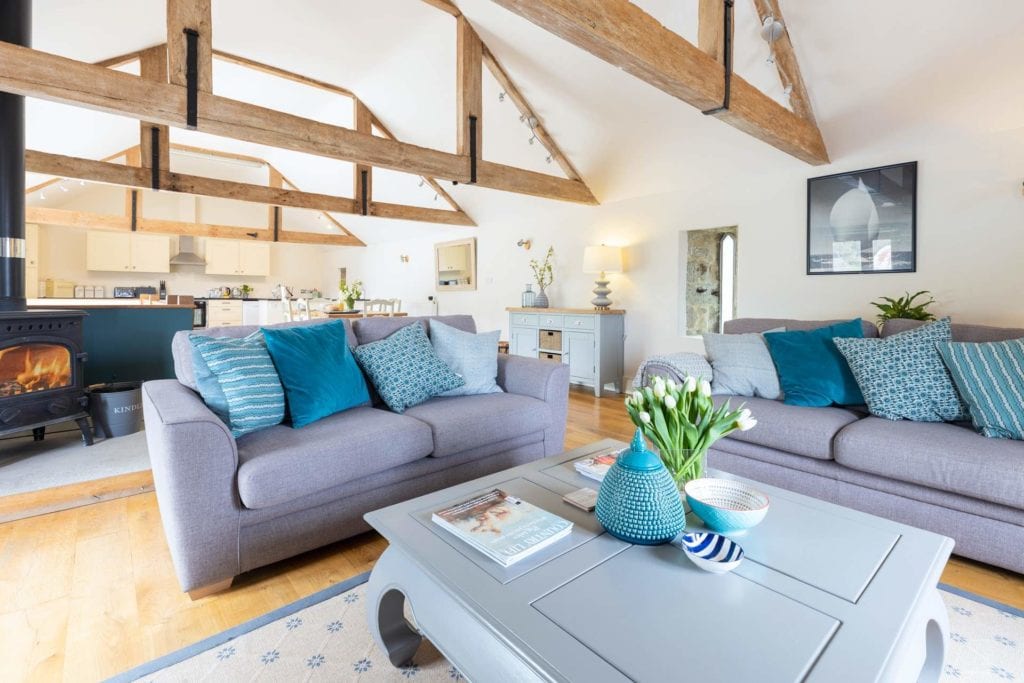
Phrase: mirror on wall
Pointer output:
(455, 265)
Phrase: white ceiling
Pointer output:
(872, 67)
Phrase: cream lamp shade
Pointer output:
(602, 260)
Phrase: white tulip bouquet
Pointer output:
(682, 422)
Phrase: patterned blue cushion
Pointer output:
(245, 377)
(990, 377)
(902, 377)
(404, 368)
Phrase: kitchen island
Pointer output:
(126, 339)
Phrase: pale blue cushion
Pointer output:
(990, 377)
(245, 377)
(473, 357)
(902, 377)
(404, 368)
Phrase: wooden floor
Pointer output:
(89, 592)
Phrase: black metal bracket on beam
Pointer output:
(472, 150)
(135, 210)
(252, 235)
(192, 78)
(726, 59)
(364, 184)
(277, 222)
(154, 157)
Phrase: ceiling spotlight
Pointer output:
(771, 30)
(788, 90)
(82, 183)
(501, 96)
(548, 158)
(42, 195)
(420, 184)
(60, 186)
(435, 196)
(522, 118)
(532, 122)
(532, 138)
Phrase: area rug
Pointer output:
(325, 637)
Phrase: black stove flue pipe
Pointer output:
(16, 28)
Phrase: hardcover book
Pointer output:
(503, 527)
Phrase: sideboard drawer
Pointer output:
(550, 320)
(579, 322)
(525, 319)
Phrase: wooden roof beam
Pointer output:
(24, 71)
(785, 61)
(625, 36)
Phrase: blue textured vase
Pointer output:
(638, 501)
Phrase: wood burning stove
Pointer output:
(42, 378)
(41, 357)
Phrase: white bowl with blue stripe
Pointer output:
(725, 505)
(712, 552)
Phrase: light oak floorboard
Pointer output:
(89, 592)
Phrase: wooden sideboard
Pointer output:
(589, 341)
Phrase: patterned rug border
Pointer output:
(172, 658)
(201, 646)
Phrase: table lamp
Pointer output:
(602, 260)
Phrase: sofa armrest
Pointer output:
(194, 460)
(542, 380)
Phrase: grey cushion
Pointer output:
(181, 348)
(948, 457)
(742, 365)
(379, 327)
(961, 333)
(280, 463)
(460, 423)
(745, 325)
(473, 357)
(794, 429)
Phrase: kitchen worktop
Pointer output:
(101, 303)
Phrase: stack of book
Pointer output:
(502, 527)
(597, 465)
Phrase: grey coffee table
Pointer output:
(825, 594)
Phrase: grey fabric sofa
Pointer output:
(230, 505)
(943, 477)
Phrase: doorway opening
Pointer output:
(709, 287)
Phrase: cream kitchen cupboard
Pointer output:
(231, 257)
(31, 260)
(224, 312)
(127, 251)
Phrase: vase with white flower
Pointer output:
(348, 292)
(682, 422)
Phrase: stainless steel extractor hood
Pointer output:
(187, 255)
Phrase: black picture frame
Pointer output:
(863, 222)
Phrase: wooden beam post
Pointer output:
(710, 28)
(785, 61)
(622, 34)
(469, 88)
(153, 67)
(195, 15)
(362, 189)
(275, 180)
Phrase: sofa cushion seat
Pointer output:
(947, 457)
(793, 429)
(280, 464)
(462, 423)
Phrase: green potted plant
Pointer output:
(905, 307)
(543, 275)
(350, 292)
(682, 422)
(246, 291)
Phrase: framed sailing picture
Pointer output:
(863, 221)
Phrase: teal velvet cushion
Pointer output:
(902, 377)
(404, 368)
(990, 378)
(239, 381)
(473, 357)
(812, 372)
(319, 374)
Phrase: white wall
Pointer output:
(970, 239)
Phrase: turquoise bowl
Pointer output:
(725, 505)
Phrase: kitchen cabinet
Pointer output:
(223, 313)
(31, 260)
(590, 342)
(127, 251)
(232, 257)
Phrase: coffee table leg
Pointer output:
(385, 607)
(935, 636)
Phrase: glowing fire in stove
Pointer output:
(34, 367)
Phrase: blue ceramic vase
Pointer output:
(638, 501)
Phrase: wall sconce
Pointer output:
(525, 244)
(403, 258)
